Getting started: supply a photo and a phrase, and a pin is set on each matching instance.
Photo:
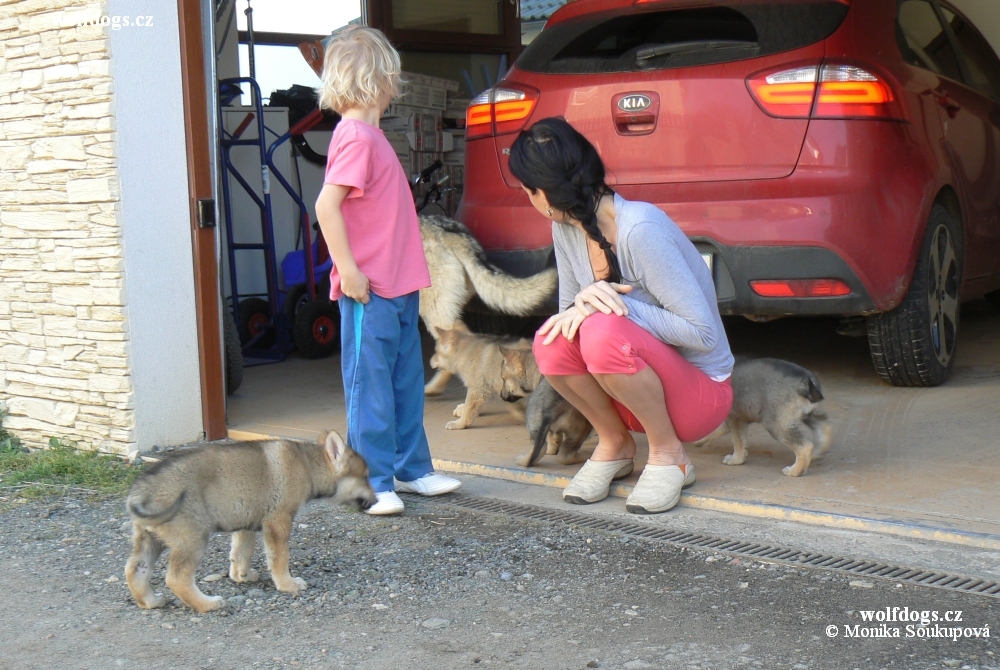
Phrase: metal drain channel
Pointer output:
(762, 552)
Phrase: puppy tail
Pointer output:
(811, 389)
(540, 439)
(137, 508)
(817, 420)
(505, 293)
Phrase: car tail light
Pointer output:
(499, 111)
(827, 92)
(800, 288)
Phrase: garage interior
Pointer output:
(913, 462)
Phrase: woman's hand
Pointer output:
(604, 297)
(355, 285)
(565, 323)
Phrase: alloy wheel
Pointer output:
(942, 294)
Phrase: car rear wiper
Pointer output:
(692, 47)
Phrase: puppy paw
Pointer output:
(731, 459)
(523, 460)
(458, 410)
(455, 425)
(293, 585)
(212, 603)
(153, 601)
(238, 576)
(791, 471)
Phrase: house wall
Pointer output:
(73, 357)
(156, 225)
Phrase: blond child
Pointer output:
(369, 222)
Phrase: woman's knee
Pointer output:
(601, 334)
(558, 357)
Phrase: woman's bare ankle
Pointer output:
(619, 450)
(668, 458)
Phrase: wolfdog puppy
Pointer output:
(460, 270)
(478, 360)
(239, 488)
(555, 424)
(784, 398)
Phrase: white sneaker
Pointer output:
(431, 484)
(659, 488)
(388, 503)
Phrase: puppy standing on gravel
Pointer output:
(239, 488)
(784, 398)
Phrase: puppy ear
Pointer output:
(509, 355)
(460, 326)
(439, 332)
(334, 445)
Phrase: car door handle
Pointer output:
(949, 105)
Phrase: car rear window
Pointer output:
(638, 41)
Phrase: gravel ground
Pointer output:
(442, 587)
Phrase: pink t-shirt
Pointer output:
(381, 220)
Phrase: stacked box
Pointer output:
(456, 156)
(428, 97)
(455, 111)
(449, 85)
(426, 123)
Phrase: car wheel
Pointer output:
(255, 316)
(316, 329)
(993, 297)
(234, 352)
(915, 344)
(503, 324)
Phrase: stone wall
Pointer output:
(64, 342)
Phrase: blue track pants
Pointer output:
(384, 386)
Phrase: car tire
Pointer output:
(234, 352)
(993, 297)
(503, 324)
(255, 314)
(915, 344)
(316, 329)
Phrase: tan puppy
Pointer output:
(460, 270)
(477, 359)
(239, 488)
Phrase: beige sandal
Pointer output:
(593, 481)
(659, 488)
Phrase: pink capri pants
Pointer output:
(612, 345)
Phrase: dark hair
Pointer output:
(553, 157)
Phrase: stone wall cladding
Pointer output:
(64, 344)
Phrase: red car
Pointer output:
(828, 157)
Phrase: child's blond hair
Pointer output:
(360, 69)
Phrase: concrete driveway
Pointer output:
(920, 463)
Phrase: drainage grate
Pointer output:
(761, 552)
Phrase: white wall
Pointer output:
(159, 263)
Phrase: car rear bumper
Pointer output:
(733, 268)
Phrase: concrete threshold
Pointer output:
(908, 530)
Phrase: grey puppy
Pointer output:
(554, 424)
(784, 398)
(239, 488)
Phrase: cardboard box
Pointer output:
(449, 85)
(417, 95)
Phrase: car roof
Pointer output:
(584, 7)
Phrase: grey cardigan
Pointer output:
(673, 296)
